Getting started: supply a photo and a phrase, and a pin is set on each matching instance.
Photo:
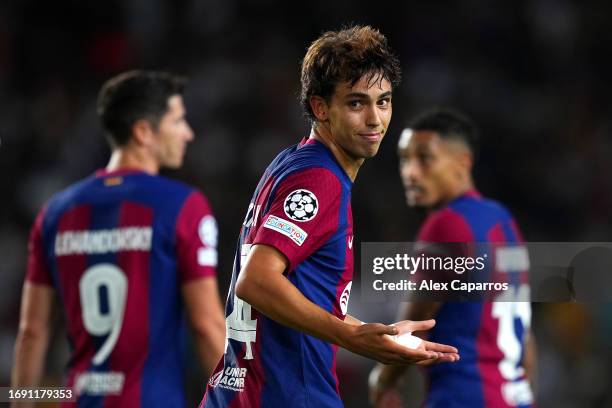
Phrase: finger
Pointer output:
(412, 355)
(442, 348)
(421, 325)
(446, 358)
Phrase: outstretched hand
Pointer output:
(373, 340)
(443, 352)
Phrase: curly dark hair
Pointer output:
(346, 56)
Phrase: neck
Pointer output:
(349, 164)
(126, 157)
(460, 190)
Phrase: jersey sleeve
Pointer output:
(38, 270)
(445, 233)
(303, 215)
(196, 239)
(445, 226)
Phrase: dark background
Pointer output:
(532, 74)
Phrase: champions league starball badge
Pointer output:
(301, 205)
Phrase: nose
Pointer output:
(410, 171)
(188, 133)
(373, 116)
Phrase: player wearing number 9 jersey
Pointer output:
(126, 251)
(494, 338)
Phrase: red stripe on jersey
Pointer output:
(445, 225)
(256, 375)
(135, 327)
(193, 238)
(489, 355)
(496, 234)
(38, 271)
(70, 270)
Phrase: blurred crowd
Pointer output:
(532, 74)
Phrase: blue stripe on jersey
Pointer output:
(456, 381)
(166, 315)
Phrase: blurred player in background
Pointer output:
(286, 312)
(436, 156)
(126, 252)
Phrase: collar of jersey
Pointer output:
(307, 141)
(124, 171)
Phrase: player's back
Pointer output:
(109, 246)
(489, 335)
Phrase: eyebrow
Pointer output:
(366, 96)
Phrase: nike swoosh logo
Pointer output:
(350, 241)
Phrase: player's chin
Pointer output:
(416, 201)
(370, 151)
(174, 164)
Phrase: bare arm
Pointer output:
(262, 284)
(33, 336)
(205, 314)
(530, 361)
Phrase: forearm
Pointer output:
(209, 350)
(530, 361)
(28, 361)
(205, 313)
(352, 320)
(273, 295)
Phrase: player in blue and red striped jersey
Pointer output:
(497, 348)
(286, 312)
(126, 252)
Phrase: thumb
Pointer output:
(421, 325)
(384, 329)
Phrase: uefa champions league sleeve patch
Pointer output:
(301, 205)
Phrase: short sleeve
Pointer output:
(445, 226)
(303, 215)
(38, 270)
(196, 239)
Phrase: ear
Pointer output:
(319, 107)
(142, 133)
(466, 159)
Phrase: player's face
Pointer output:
(359, 115)
(172, 135)
(429, 169)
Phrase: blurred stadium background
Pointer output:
(533, 74)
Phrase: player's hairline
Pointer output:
(446, 137)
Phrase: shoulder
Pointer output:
(66, 198)
(169, 185)
(446, 225)
(481, 206)
(311, 163)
